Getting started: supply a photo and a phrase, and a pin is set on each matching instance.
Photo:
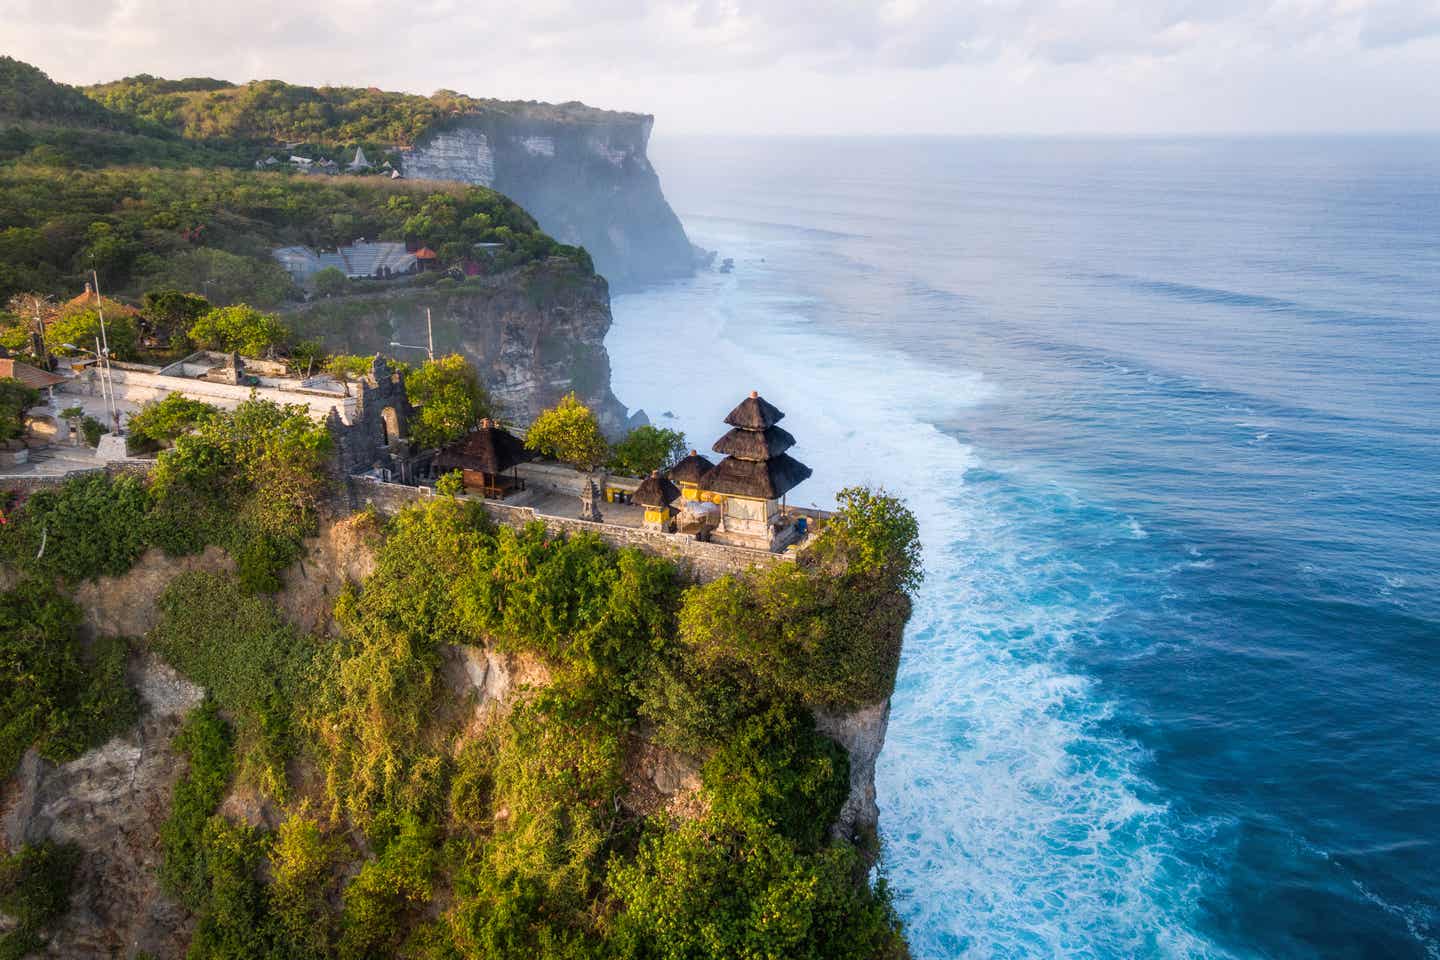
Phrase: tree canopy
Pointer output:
(570, 433)
(449, 400)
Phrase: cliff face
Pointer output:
(585, 177)
(533, 335)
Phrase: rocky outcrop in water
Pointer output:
(582, 173)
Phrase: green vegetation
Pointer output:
(240, 328)
(520, 837)
(205, 742)
(827, 632)
(570, 433)
(75, 328)
(271, 111)
(149, 229)
(15, 399)
(51, 695)
(158, 423)
(35, 886)
(646, 448)
(90, 526)
(171, 313)
(249, 659)
(451, 484)
(250, 480)
(449, 399)
(48, 122)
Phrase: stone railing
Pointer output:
(705, 561)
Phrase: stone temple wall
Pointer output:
(703, 561)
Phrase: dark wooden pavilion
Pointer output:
(483, 456)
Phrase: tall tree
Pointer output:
(450, 401)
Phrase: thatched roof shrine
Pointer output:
(489, 449)
(656, 491)
(691, 469)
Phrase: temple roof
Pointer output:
(755, 444)
(754, 413)
(487, 449)
(691, 469)
(656, 491)
(761, 479)
(28, 375)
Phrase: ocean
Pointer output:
(1169, 414)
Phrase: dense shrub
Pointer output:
(302, 858)
(451, 484)
(251, 480)
(168, 314)
(15, 399)
(206, 742)
(394, 884)
(240, 328)
(573, 600)
(92, 430)
(827, 631)
(570, 433)
(35, 886)
(709, 889)
(79, 325)
(51, 696)
(777, 771)
(372, 711)
(449, 399)
(247, 657)
(646, 448)
(160, 422)
(89, 526)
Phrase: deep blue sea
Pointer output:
(1169, 413)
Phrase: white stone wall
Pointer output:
(133, 389)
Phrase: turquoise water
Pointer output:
(1170, 414)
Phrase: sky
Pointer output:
(804, 67)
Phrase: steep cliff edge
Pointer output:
(493, 726)
(585, 178)
(534, 334)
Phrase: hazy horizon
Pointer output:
(724, 67)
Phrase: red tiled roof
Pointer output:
(28, 375)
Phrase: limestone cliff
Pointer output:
(582, 173)
(534, 334)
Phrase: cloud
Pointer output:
(1041, 58)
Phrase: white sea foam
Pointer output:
(1013, 820)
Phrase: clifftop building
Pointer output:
(750, 484)
(359, 259)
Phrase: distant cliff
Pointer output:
(585, 179)
(581, 172)
(534, 334)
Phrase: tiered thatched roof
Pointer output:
(756, 464)
(487, 449)
(755, 445)
(762, 479)
(754, 413)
